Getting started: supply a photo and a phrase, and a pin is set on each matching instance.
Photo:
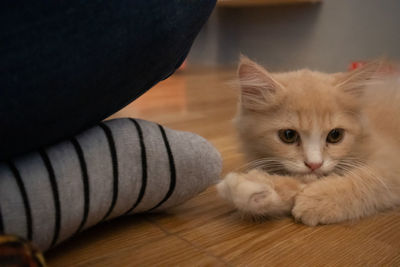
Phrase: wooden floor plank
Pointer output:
(104, 240)
(168, 251)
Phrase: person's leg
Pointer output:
(65, 66)
(119, 167)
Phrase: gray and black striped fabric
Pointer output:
(119, 167)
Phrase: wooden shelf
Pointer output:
(243, 3)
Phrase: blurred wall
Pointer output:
(324, 36)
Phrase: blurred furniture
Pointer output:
(240, 3)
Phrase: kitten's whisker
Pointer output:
(376, 177)
(248, 165)
(351, 169)
(265, 163)
(350, 163)
(258, 165)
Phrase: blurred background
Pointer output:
(288, 34)
(324, 35)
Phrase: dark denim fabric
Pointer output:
(66, 65)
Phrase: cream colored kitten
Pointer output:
(325, 147)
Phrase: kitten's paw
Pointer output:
(248, 194)
(313, 208)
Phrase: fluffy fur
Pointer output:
(359, 176)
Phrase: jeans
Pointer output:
(66, 65)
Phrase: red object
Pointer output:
(386, 67)
(356, 64)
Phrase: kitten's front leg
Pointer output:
(258, 193)
(336, 198)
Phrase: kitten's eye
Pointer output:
(335, 136)
(288, 136)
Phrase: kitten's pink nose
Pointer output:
(313, 165)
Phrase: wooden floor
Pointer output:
(205, 231)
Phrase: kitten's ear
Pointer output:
(258, 88)
(355, 81)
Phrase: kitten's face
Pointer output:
(300, 122)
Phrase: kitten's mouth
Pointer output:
(284, 171)
(318, 174)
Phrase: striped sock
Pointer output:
(119, 167)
